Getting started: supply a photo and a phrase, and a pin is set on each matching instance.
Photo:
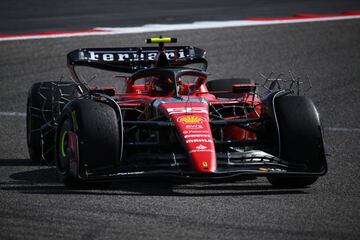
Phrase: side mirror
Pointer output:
(243, 90)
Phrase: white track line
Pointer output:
(357, 130)
(12, 114)
(172, 27)
(21, 114)
(214, 24)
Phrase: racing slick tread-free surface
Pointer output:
(300, 139)
(42, 110)
(95, 124)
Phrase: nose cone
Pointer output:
(196, 134)
(194, 130)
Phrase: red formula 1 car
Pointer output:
(170, 121)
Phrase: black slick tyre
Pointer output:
(96, 127)
(301, 140)
(44, 104)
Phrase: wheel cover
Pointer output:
(62, 145)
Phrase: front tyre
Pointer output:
(97, 131)
(301, 140)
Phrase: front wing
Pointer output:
(235, 165)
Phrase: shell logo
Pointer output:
(190, 119)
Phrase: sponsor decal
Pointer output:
(187, 110)
(190, 119)
(194, 131)
(194, 126)
(121, 56)
(201, 150)
(272, 170)
(197, 136)
(199, 141)
(201, 147)
(127, 173)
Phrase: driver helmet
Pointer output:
(165, 85)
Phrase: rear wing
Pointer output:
(130, 60)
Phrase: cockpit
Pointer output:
(167, 82)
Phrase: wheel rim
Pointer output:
(62, 145)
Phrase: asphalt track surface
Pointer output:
(33, 205)
(30, 16)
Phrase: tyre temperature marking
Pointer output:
(75, 123)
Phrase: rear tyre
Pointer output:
(301, 140)
(44, 103)
(96, 127)
(226, 85)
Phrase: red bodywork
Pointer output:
(192, 118)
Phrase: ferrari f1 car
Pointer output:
(170, 121)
